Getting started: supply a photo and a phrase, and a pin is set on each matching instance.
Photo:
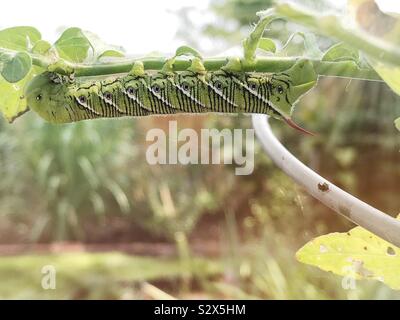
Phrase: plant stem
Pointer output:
(346, 69)
(264, 64)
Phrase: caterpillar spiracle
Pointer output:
(58, 100)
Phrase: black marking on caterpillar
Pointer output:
(61, 100)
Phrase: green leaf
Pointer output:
(358, 254)
(4, 57)
(41, 47)
(187, 51)
(111, 53)
(19, 38)
(12, 101)
(250, 44)
(73, 45)
(267, 45)
(311, 48)
(397, 123)
(389, 73)
(335, 26)
(341, 52)
(310, 45)
(76, 45)
(100, 49)
(16, 67)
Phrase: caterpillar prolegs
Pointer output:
(60, 100)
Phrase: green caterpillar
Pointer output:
(137, 94)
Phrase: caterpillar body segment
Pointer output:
(60, 100)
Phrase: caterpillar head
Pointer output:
(287, 87)
(45, 95)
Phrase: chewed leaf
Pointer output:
(12, 101)
(16, 67)
(358, 254)
(19, 38)
(341, 52)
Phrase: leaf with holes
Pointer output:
(356, 254)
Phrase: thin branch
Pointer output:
(355, 210)
(345, 69)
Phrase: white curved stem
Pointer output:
(359, 212)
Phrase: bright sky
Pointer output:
(120, 22)
(139, 26)
(389, 5)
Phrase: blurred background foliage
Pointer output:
(90, 182)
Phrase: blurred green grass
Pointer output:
(81, 275)
(90, 182)
(259, 274)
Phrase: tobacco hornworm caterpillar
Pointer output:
(59, 100)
